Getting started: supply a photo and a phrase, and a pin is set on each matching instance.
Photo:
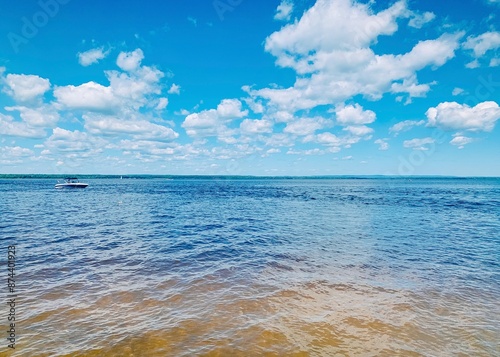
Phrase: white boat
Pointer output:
(71, 182)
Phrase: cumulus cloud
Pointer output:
(405, 125)
(284, 10)
(14, 154)
(457, 91)
(23, 87)
(162, 103)
(455, 116)
(88, 96)
(332, 140)
(419, 20)
(140, 129)
(174, 89)
(133, 89)
(9, 127)
(334, 68)
(204, 123)
(461, 141)
(231, 108)
(127, 91)
(306, 126)
(419, 144)
(258, 126)
(382, 144)
(482, 43)
(354, 115)
(130, 61)
(15, 151)
(73, 143)
(359, 130)
(43, 116)
(281, 116)
(213, 122)
(92, 56)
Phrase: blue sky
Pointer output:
(240, 87)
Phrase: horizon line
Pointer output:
(34, 175)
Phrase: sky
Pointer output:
(250, 87)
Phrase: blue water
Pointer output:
(156, 267)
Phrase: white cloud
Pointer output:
(405, 125)
(88, 96)
(162, 103)
(461, 141)
(213, 122)
(330, 139)
(281, 116)
(457, 91)
(73, 143)
(261, 126)
(127, 92)
(315, 151)
(174, 89)
(354, 114)
(92, 56)
(359, 130)
(419, 20)
(14, 151)
(279, 139)
(9, 127)
(10, 155)
(349, 25)
(132, 90)
(332, 69)
(482, 43)
(148, 147)
(284, 10)
(473, 64)
(382, 143)
(204, 123)
(418, 144)
(208, 123)
(455, 116)
(255, 106)
(43, 116)
(409, 85)
(306, 126)
(130, 61)
(24, 87)
(140, 129)
(231, 108)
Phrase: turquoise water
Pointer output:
(224, 267)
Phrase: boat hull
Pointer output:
(71, 185)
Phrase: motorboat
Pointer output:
(71, 182)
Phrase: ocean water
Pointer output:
(262, 267)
